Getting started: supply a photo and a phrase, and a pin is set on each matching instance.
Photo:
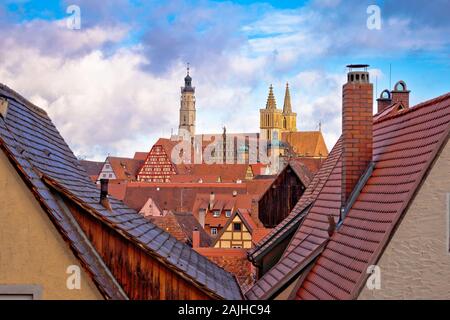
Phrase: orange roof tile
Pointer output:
(306, 143)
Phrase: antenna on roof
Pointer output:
(187, 66)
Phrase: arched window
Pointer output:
(284, 123)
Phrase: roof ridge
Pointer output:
(21, 99)
(414, 108)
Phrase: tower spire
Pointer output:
(287, 108)
(271, 103)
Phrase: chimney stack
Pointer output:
(196, 238)
(357, 107)
(104, 194)
(400, 94)
(384, 100)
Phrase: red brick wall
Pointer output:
(357, 106)
(401, 96)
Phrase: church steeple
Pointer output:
(271, 103)
(188, 82)
(287, 108)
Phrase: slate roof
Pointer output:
(43, 158)
(406, 143)
(306, 143)
(181, 225)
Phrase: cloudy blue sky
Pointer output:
(113, 86)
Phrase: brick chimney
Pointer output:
(357, 106)
(384, 100)
(212, 197)
(196, 238)
(400, 94)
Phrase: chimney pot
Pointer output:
(104, 194)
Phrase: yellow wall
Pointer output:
(32, 252)
(416, 262)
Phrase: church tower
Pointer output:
(271, 119)
(187, 108)
(289, 117)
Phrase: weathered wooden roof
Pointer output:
(42, 157)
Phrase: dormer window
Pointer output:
(216, 213)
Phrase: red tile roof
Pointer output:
(405, 145)
(324, 187)
(306, 143)
(174, 196)
(291, 222)
(181, 225)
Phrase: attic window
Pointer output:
(227, 213)
(216, 213)
(237, 226)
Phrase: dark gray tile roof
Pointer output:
(34, 142)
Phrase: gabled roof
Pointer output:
(50, 169)
(246, 219)
(92, 168)
(405, 146)
(125, 168)
(301, 171)
(138, 155)
(291, 222)
(306, 143)
(181, 225)
(324, 187)
(174, 196)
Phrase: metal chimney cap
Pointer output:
(357, 66)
